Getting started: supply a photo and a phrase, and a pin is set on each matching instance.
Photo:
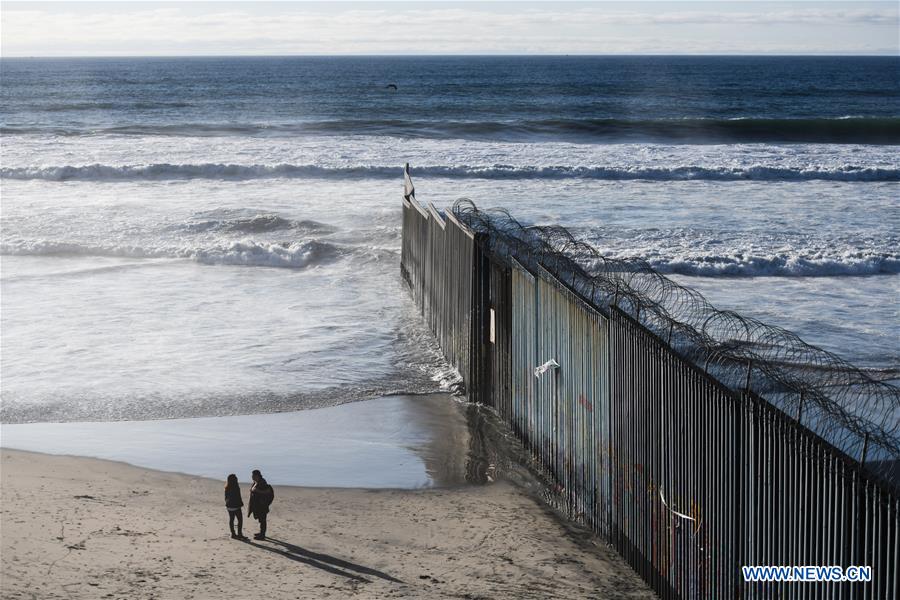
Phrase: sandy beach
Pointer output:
(85, 528)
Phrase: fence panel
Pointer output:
(687, 479)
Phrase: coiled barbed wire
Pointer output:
(853, 409)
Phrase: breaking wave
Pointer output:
(166, 171)
(735, 253)
(293, 255)
(778, 266)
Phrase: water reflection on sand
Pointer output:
(392, 442)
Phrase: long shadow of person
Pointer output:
(325, 562)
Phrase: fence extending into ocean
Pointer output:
(693, 449)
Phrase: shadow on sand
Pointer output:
(325, 562)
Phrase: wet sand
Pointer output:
(86, 528)
(391, 442)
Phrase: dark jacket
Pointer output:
(261, 496)
(233, 497)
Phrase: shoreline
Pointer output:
(89, 528)
(408, 442)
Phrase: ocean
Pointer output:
(194, 237)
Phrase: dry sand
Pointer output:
(85, 528)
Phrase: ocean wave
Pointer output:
(248, 220)
(105, 106)
(293, 255)
(258, 223)
(253, 224)
(845, 130)
(777, 266)
(102, 405)
(167, 171)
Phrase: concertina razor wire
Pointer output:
(856, 410)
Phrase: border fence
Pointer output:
(694, 446)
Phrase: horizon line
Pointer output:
(450, 55)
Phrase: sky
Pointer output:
(421, 28)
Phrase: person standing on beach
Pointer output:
(261, 496)
(234, 503)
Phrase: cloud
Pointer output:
(787, 17)
(464, 29)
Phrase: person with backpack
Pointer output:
(261, 496)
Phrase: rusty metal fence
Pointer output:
(688, 478)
